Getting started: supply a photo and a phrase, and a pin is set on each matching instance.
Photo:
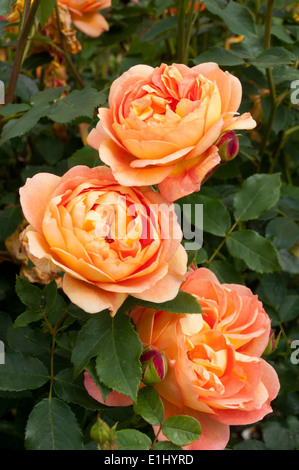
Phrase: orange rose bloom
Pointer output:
(162, 125)
(85, 15)
(215, 371)
(109, 240)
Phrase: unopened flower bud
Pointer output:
(228, 145)
(154, 366)
(103, 434)
(272, 343)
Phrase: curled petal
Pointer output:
(89, 297)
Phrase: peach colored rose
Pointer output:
(162, 124)
(109, 240)
(215, 371)
(86, 17)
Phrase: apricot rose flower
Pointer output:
(109, 240)
(215, 370)
(86, 17)
(162, 125)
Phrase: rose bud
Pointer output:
(228, 146)
(272, 344)
(103, 434)
(154, 366)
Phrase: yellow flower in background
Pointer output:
(233, 40)
(296, 14)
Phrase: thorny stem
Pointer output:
(52, 366)
(53, 331)
(28, 20)
(156, 437)
(221, 244)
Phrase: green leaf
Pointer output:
(287, 434)
(5, 6)
(192, 255)
(22, 373)
(289, 309)
(120, 369)
(284, 73)
(47, 96)
(256, 251)
(159, 29)
(10, 219)
(274, 57)
(91, 369)
(288, 262)
(181, 430)
(257, 194)
(281, 3)
(11, 109)
(149, 405)
(49, 294)
(27, 340)
(52, 426)
(55, 307)
(279, 31)
(29, 316)
(166, 445)
(73, 391)
(45, 11)
(131, 439)
(225, 272)
(272, 290)
(237, 17)
(77, 104)
(85, 156)
(283, 232)
(219, 55)
(251, 444)
(21, 126)
(182, 303)
(28, 293)
(89, 341)
(162, 5)
(216, 218)
(50, 148)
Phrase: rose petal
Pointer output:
(119, 161)
(34, 197)
(90, 298)
(92, 24)
(113, 399)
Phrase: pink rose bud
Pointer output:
(154, 366)
(228, 146)
(272, 344)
